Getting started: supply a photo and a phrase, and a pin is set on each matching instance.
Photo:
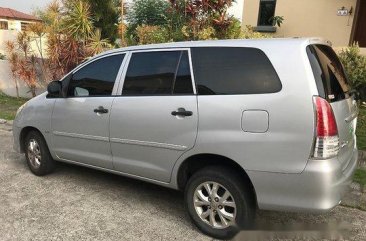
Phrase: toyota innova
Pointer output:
(238, 125)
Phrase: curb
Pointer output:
(6, 125)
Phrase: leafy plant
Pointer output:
(2, 56)
(355, 66)
(77, 22)
(146, 12)
(249, 33)
(71, 38)
(151, 34)
(204, 15)
(96, 44)
(277, 20)
(105, 14)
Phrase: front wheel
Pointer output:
(219, 202)
(38, 157)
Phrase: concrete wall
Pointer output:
(310, 18)
(7, 84)
(11, 35)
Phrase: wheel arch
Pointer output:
(23, 134)
(198, 161)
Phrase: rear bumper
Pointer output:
(319, 188)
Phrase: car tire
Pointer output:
(199, 202)
(37, 154)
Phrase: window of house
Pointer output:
(4, 25)
(96, 78)
(266, 12)
(232, 70)
(24, 26)
(158, 73)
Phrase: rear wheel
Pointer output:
(38, 157)
(219, 202)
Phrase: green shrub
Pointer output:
(355, 66)
(151, 34)
(2, 56)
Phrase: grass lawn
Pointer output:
(361, 129)
(9, 106)
(360, 177)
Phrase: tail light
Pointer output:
(326, 133)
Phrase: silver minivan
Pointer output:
(238, 125)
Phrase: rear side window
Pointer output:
(328, 72)
(231, 70)
(158, 73)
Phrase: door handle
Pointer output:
(101, 110)
(182, 112)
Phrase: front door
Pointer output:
(155, 120)
(80, 122)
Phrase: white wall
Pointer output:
(11, 35)
(7, 84)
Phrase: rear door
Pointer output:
(333, 85)
(155, 119)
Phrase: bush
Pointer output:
(151, 34)
(355, 66)
(2, 56)
(146, 12)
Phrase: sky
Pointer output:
(25, 6)
(28, 6)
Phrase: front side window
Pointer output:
(266, 12)
(158, 73)
(233, 70)
(96, 78)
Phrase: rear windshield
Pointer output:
(328, 71)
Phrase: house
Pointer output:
(340, 21)
(11, 19)
(12, 22)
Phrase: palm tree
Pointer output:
(96, 44)
(14, 63)
(78, 22)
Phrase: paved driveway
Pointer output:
(76, 203)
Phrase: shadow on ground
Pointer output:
(77, 203)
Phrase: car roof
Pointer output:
(265, 42)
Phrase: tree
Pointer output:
(146, 12)
(204, 15)
(78, 22)
(355, 67)
(105, 14)
(13, 60)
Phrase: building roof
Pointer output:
(9, 13)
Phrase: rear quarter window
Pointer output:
(233, 70)
(330, 78)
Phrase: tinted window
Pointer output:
(328, 71)
(183, 81)
(226, 70)
(266, 12)
(96, 78)
(158, 73)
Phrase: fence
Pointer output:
(7, 85)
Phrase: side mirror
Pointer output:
(54, 88)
